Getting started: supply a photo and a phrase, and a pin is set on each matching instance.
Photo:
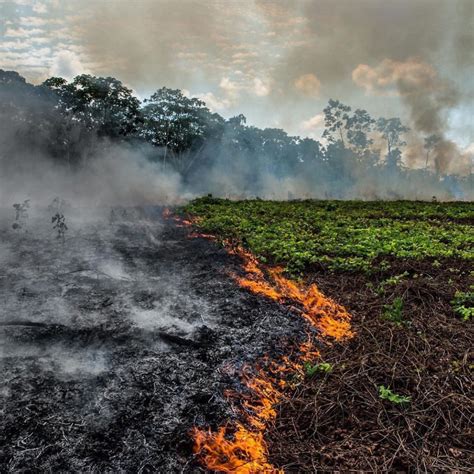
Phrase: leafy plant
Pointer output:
(394, 312)
(392, 281)
(60, 226)
(386, 394)
(339, 236)
(463, 304)
(21, 214)
(311, 369)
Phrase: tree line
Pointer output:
(68, 120)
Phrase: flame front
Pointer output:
(240, 447)
(320, 311)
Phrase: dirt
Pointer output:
(337, 420)
(118, 340)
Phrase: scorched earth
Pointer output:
(119, 339)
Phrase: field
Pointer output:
(397, 395)
(172, 340)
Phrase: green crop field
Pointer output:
(342, 235)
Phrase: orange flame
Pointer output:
(246, 453)
(240, 447)
(320, 311)
(180, 222)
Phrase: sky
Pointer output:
(277, 62)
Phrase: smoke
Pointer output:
(148, 41)
(394, 48)
(116, 176)
(427, 97)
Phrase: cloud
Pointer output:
(213, 102)
(317, 121)
(67, 64)
(313, 127)
(22, 32)
(40, 8)
(261, 88)
(231, 88)
(391, 77)
(308, 84)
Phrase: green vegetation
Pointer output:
(312, 369)
(386, 394)
(394, 312)
(341, 235)
(463, 304)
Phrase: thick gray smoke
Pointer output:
(116, 176)
(391, 48)
(31, 167)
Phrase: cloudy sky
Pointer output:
(278, 61)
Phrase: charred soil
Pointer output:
(116, 342)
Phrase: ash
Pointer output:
(118, 338)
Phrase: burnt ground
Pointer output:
(337, 421)
(115, 342)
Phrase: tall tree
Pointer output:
(359, 125)
(431, 142)
(392, 131)
(178, 124)
(335, 119)
(102, 104)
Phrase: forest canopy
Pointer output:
(359, 155)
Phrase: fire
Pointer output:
(180, 222)
(244, 454)
(330, 318)
(240, 447)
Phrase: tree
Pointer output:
(431, 142)
(335, 120)
(392, 130)
(178, 124)
(102, 104)
(28, 115)
(282, 151)
(358, 126)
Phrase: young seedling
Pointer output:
(394, 312)
(463, 304)
(311, 369)
(21, 214)
(59, 222)
(386, 394)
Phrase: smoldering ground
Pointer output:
(114, 340)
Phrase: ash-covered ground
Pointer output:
(119, 339)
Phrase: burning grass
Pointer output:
(240, 447)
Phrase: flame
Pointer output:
(330, 318)
(245, 453)
(180, 221)
(239, 447)
(195, 235)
